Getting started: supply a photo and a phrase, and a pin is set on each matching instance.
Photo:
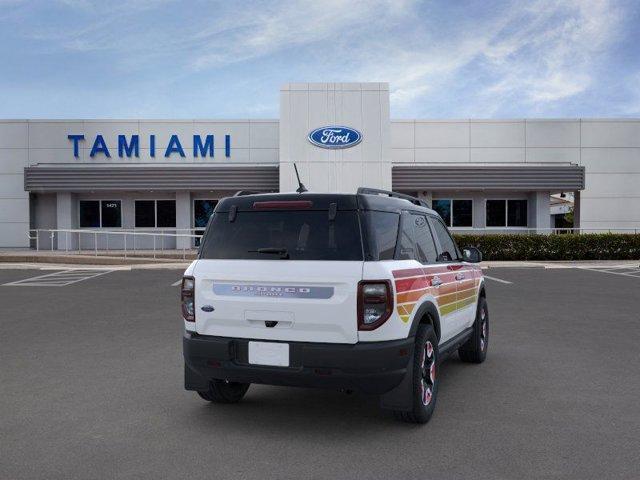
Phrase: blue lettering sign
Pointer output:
(152, 146)
(130, 146)
(174, 147)
(129, 149)
(202, 149)
(75, 139)
(99, 146)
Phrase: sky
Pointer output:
(228, 59)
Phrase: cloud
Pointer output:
(553, 56)
(441, 59)
(543, 53)
(284, 26)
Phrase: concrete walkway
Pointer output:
(88, 257)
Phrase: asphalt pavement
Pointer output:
(91, 388)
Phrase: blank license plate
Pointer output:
(269, 353)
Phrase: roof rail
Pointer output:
(242, 193)
(376, 191)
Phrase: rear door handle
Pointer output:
(436, 282)
(460, 276)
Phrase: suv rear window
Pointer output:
(283, 234)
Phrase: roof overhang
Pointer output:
(74, 178)
(554, 178)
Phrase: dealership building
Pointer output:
(167, 175)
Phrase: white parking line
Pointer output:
(87, 268)
(175, 284)
(499, 280)
(58, 279)
(623, 271)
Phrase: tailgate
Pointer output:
(305, 301)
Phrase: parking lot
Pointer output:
(91, 387)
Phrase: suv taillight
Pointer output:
(375, 303)
(187, 298)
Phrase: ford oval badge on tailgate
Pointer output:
(335, 136)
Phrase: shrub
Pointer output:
(586, 246)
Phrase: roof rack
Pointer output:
(242, 193)
(389, 193)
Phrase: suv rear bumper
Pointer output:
(372, 367)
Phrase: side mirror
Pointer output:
(471, 255)
(444, 257)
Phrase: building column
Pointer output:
(539, 212)
(576, 209)
(183, 220)
(479, 210)
(66, 218)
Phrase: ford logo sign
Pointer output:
(335, 136)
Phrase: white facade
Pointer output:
(363, 106)
(609, 151)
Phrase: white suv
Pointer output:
(363, 292)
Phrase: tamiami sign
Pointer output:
(203, 146)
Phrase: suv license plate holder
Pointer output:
(275, 354)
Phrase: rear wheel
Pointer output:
(475, 349)
(425, 382)
(222, 391)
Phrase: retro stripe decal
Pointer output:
(411, 284)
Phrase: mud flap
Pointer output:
(401, 397)
(194, 381)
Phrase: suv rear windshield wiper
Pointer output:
(283, 252)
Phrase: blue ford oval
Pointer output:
(335, 136)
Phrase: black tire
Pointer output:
(425, 380)
(475, 349)
(221, 391)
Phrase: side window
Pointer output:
(382, 233)
(406, 239)
(425, 246)
(449, 250)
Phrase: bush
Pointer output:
(586, 246)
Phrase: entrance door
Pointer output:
(202, 211)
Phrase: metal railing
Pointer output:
(128, 241)
(138, 241)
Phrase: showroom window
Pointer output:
(456, 213)
(517, 213)
(507, 213)
(155, 213)
(100, 214)
(202, 211)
